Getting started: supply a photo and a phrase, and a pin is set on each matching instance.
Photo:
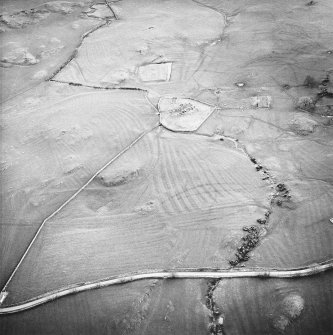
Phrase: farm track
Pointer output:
(187, 273)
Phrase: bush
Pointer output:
(306, 103)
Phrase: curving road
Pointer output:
(187, 273)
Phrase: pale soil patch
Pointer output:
(19, 56)
(262, 101)
(155, 72)
(289, 309)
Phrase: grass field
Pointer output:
(74, 97)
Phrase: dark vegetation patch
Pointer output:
(280, 198)
(310, 3)
(310, 82)
(215, 326)
(248, 243)
(183, 108)
(306, 104)
(309, 103)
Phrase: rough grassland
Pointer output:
(176, 215)
(174, 199)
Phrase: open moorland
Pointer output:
(166, 135)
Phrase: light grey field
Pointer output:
(234, 103)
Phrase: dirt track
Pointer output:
(166, 274)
